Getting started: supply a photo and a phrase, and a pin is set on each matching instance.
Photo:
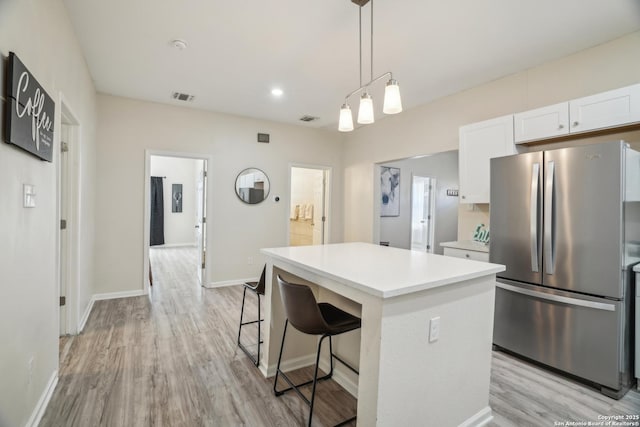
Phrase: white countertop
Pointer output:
(467, 245)
(380, 270)
(636, 268)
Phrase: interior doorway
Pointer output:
(308, 205)
(426, 190)
(175, 217)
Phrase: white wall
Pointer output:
(444, 168)
(433, 127)
(235, 231)
(179, 227)
(40, 33)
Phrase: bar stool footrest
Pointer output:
(296, 386)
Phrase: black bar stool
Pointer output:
(258, 289)
(310, 317)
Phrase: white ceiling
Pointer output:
(238, 50)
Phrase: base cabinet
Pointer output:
(461, 253)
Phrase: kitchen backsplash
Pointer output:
(469, 216)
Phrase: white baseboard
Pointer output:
(121, 294)
(43, 402)
(309, 360)
(290, 365)
(85, 316)
(176, 245)
(224, 283)
(481, 418)
(340, 377)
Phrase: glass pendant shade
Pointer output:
(365, 112)
(392, 100)
(345, 124)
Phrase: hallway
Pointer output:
(171, 359)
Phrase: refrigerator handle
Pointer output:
(557, 298)
(549, 256)
(533, 216)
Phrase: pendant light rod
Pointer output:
(371, 44)
(360, 40)
(366, 85)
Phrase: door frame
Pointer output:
(66, 115)
(147, 206)
(328, 176)
(432, 212)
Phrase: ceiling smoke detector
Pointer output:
(182, 96)
(179, 44)
(307, 118)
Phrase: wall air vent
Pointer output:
(306, 118)
(182, 96)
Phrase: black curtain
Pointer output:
(157, 212)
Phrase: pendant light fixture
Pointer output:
(392, 101)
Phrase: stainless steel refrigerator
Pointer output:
(565, 223)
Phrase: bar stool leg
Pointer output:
(315, 378)
(244, 295)
(259, 324)
(275, 382)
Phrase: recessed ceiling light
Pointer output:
(179, 44)
(276, 92)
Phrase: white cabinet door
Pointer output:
(541, 123)
(461, 253)
(607, 109)
(480, 142)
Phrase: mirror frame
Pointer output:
(266, 192)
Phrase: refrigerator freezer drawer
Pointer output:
(580, 336)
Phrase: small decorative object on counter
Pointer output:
(481, 234)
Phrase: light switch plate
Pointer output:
(29, 195)
(434, 329)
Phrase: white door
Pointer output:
(201, 221)
(422, 213)
(64, 239)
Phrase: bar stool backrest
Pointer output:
(260, 287)
(301, 308)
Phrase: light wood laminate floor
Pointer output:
(171, 359)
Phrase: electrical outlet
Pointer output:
(250, 260)
(434, 329)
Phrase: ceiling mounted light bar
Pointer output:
(392, 100)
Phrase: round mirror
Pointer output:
(252, 186)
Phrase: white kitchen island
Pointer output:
(405, 378)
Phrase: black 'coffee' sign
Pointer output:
(30, 112)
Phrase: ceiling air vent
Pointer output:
(306, 118)
(182, 96)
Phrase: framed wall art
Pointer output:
(30, 112)
(176, 197)
(389, 191)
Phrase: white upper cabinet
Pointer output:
(480, 142)
(545, 122)
(607, 109)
